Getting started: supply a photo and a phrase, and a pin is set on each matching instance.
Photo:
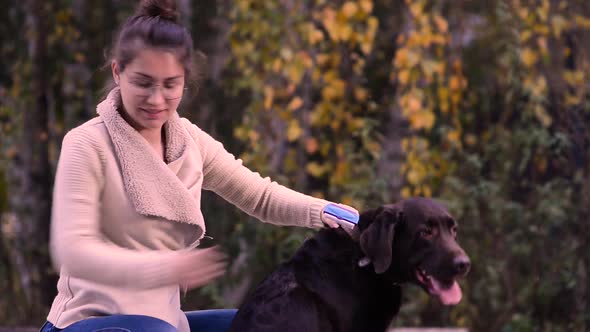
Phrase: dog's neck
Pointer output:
(355, 233)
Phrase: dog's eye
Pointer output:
(454, 231)
(426, 233)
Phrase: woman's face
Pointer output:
(152, 85)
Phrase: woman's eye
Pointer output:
(143, 85)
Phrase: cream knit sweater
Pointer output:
(121, 216)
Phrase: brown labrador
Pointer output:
(339, 283)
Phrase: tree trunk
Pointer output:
(31, 198)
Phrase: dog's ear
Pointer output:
(377, 240)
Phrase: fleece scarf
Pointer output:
(151, 184)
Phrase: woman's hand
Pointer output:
(199, 267)
(330, 222)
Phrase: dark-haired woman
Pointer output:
(126, 218)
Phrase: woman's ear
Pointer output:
(115, 70)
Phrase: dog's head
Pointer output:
(415, 240)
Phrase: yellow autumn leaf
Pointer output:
(401, 57)
(315, 36)
(426, 191)
(372, 25)
(253, 136)
(558, 23)
(541, 163)
(429, 67)
(422, 120)
(414, 104)
(286, 53)
(269, 93)
(360, 94)
(470, 139)
(574, 77)
(543, 116)
(582, 21)
(455, 83)
(318, 194)
(311, 145)
(295, 72)
(406, 192)
(525, 35)
(453, 136)
(443, 93)
(349, 9)
(325, 148)
(523, 12)
(305, 59)
(316, 169)
(335, 89)
(340, 175)
(543, 48)
(366, 47)
(344, 31)
(328, 93)
(355, 124)
(403, 76)
(571, 99)
(340, 150)
(441, 24)
(295, 103)
(322, 59)
(405, 144)
(374, 148)
(366, 5)
(294, 131)
(543, 10)
(329, 21)
(417, 7)
(276, 65)
(541, 29)
(240, 133)
(414, 177)
(79, 57)
(244, 5)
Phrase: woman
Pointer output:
(126, 216)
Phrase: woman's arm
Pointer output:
(77, 244)
(257, 196)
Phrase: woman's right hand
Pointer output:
(199, 267)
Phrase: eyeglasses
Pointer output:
(144, 88)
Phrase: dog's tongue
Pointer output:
(449, 296)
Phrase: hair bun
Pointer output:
(165, 9)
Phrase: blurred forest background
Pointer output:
(482, 104)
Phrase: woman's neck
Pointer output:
(156, 139)
(153, 136)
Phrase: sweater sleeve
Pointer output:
(259, 197)
(76, 242)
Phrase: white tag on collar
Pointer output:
(364, 261)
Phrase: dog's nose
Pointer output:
(462, 264)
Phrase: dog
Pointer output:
(341, 282)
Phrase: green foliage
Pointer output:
(311, 118)
(515, 178)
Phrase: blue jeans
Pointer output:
(199, 321)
